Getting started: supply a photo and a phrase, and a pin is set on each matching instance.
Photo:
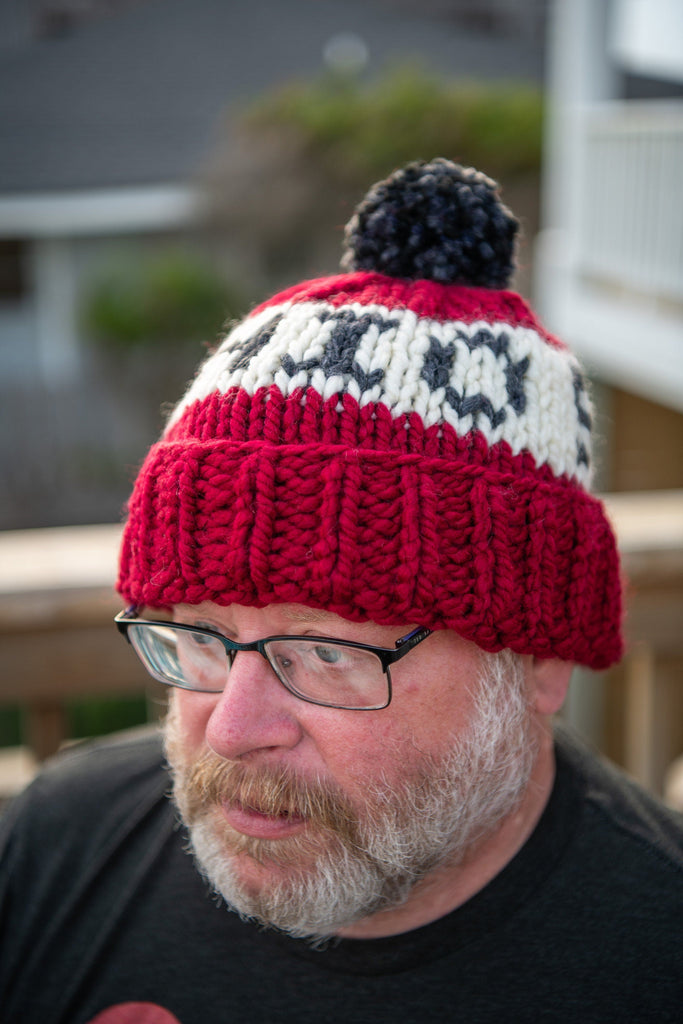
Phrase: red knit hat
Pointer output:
(403, 443)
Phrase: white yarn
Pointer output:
(549, 426)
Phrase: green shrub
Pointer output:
(357, 132)
(101, 716)
(171, 298)
(95, 716)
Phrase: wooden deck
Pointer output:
(57, 639)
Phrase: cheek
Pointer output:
(426, 712)
(438, 701)
(359, 753)
(191, 713)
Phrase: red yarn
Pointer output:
(428, 299)
(305, 417)
(263, 499)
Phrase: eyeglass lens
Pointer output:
(317, 670)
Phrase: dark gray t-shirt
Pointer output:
(101, 905)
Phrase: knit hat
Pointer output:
(403, 443)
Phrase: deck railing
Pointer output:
(58, 640)
(631, 220)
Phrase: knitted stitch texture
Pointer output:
(399, 450)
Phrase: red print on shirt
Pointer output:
(135, 1013)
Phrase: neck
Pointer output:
(449, 886)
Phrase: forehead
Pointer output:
(287, 618)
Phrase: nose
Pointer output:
(254, 712)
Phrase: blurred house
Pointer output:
(609, 262)
(109, 111)
(609, 276)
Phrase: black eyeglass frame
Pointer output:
(387, 655)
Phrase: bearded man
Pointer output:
(364, 556)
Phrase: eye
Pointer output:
(330, 655)
(200, 639)
(198, 645)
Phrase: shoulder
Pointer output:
(73, 850)
(624, 834)
(114, 762)
(89, 792)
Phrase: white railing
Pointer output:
(631, 231)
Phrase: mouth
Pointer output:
(251, 821)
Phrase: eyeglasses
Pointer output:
(320, 670)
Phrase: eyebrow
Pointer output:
(295, 616)
(310, 615)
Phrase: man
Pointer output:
(365, 557)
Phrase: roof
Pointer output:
(134, 94)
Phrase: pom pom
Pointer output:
(435, 221)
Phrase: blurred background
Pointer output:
(164, 164)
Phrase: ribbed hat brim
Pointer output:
(493, 547)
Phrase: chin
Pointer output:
(256, 861)
(295, 891)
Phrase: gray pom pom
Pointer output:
(434, 221)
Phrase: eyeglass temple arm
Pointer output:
(406, 643)
(120, 620)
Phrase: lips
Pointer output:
(252, 822)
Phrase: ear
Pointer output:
(550, 681)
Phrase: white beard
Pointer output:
(406, 828)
